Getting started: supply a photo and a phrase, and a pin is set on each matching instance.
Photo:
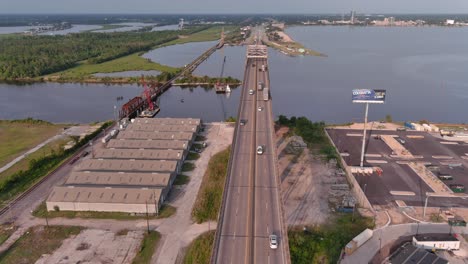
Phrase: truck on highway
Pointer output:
(266, 94)
(263, 67)
(358, 241)
(260, 86)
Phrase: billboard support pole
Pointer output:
(364, 136)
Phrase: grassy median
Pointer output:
(199, 251)
(37, 241)
(210, 194)
(148, 246)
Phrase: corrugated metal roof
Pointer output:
(168, 121)
(161, 127)
(118, 178)
(153, 135)
(104, 195)
(148, 144)
(142, 154)
(128, 165)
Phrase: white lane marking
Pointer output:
(237, 209)
(266, 206)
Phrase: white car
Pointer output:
(273, 242)
(251, 92)
(260, 108)
(260, 150)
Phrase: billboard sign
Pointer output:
(369, 96)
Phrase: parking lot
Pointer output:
(398, 180)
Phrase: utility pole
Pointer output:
(364, 136)
(147, 217)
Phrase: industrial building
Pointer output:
(162, 127)
(148, 144)
(124, 179)
(168, 121)
(132, 171)
(126, 134)
(140, 154)
(409, 254)
(129, 165)
(436, 242)
(131, 200)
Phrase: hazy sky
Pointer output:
(232, 6)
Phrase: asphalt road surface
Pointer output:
(252, 210)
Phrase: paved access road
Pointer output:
(252, 209)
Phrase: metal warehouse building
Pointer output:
(132, 173)
(162, 128)
(129, 165)
(140, 154)
(168, 121)
(148, 144)
(156, 135)
(130, 200)
(124, 179)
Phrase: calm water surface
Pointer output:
(423, 70)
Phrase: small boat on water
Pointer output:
(148, 113)
(228, 89)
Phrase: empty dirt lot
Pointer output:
(307, 183)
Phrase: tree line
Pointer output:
(33, 56)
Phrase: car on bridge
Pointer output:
(260, 108)
(243, 122)
(273, 242)
(260, 150)
(251, 92)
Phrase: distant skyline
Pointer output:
(230, 7)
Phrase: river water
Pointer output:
(423, 70)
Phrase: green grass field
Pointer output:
(18, 137)
(211, 191)
(132, 62)
(54, 146)
(37, 241)
(199, 251)
(41, 211)
(213, 33)
(148, 246)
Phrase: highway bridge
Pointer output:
(252, 208)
